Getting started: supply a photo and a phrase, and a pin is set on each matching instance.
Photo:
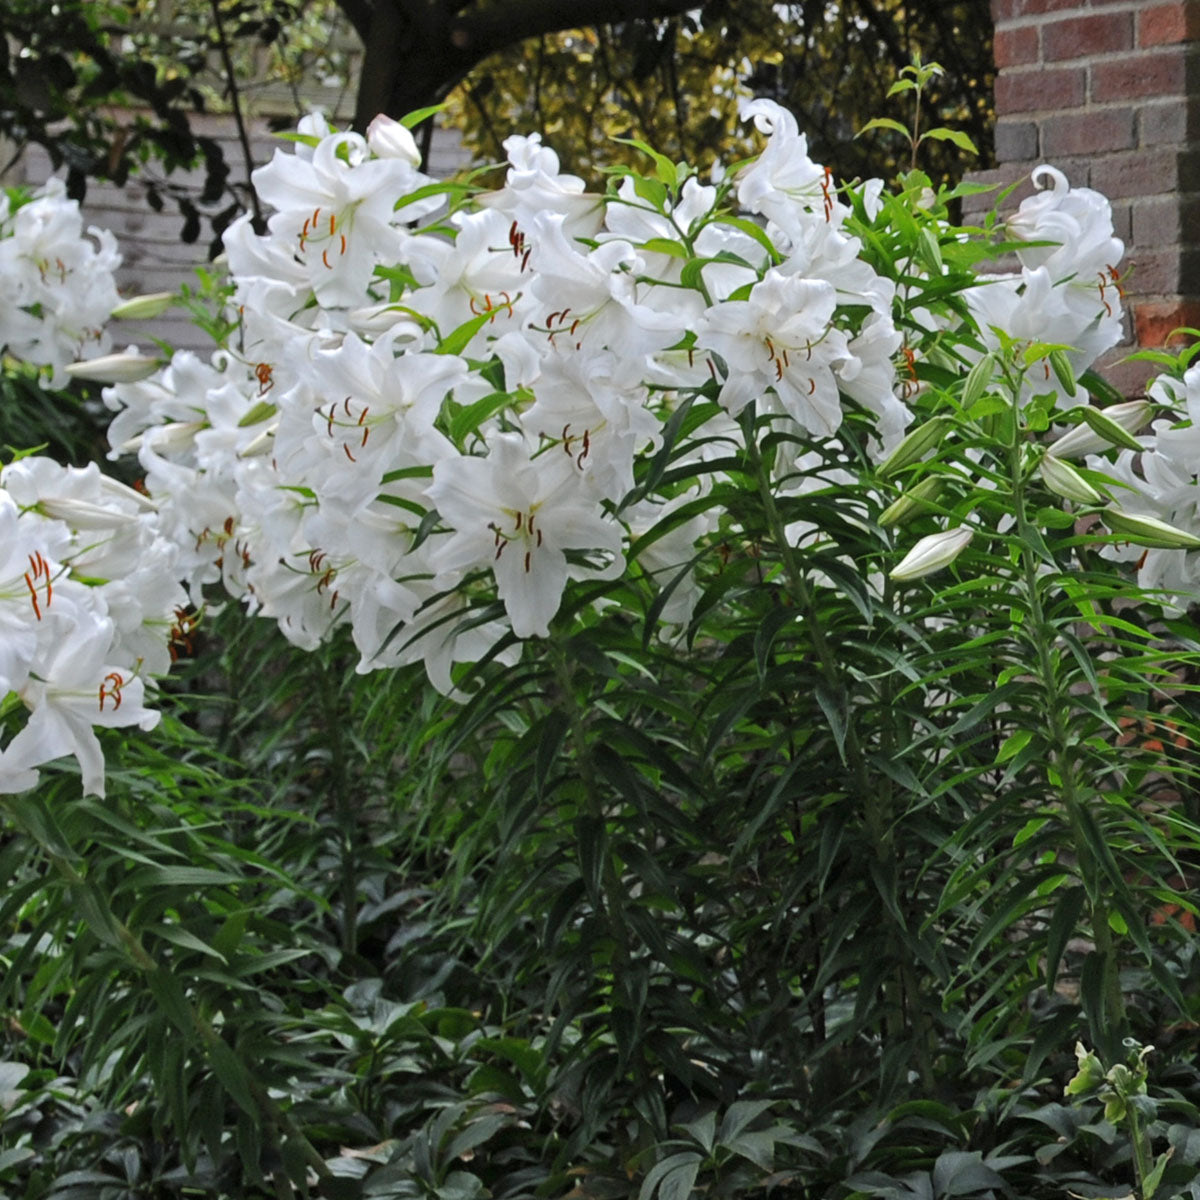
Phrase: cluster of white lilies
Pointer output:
(428, 421)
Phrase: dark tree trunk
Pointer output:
(417, 50)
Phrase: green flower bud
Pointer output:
(142, 308)
(978, 379)
(917, 499)
(1063, 480)
(915, 445)
(1063, 371)
(1101, 428)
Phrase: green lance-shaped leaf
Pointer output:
(260, 412)
(413, 119)
(956, 136)
(887, 122)
(1151, 1183)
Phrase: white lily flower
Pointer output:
(519, 515)
(78, 687)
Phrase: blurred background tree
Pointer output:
(107, 85)
(677, 82)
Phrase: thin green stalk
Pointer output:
(1063, 756)
(612, 888)
(1141, 1150)
(876, 800)
(344, 811)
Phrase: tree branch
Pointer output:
(235, 101)
(498, 26)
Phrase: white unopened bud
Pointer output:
(143, 308)
(1102, 428)
(260, 445)
(120, 491)
(126, 367)
(390, 139)
(1148, 531)
(82, 514)
(932, 553)
(174, 437)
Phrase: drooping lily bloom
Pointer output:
(781, 337)
(78, 687)
(518, 516)
(335, 212)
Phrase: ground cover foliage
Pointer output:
(809, 887)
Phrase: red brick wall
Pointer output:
(1109, 91)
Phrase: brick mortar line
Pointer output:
(1104, 57)
(1136, 104)
(1071, 14)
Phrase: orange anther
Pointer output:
(33, 596)
(112, 691)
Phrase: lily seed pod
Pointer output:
(932, 553)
